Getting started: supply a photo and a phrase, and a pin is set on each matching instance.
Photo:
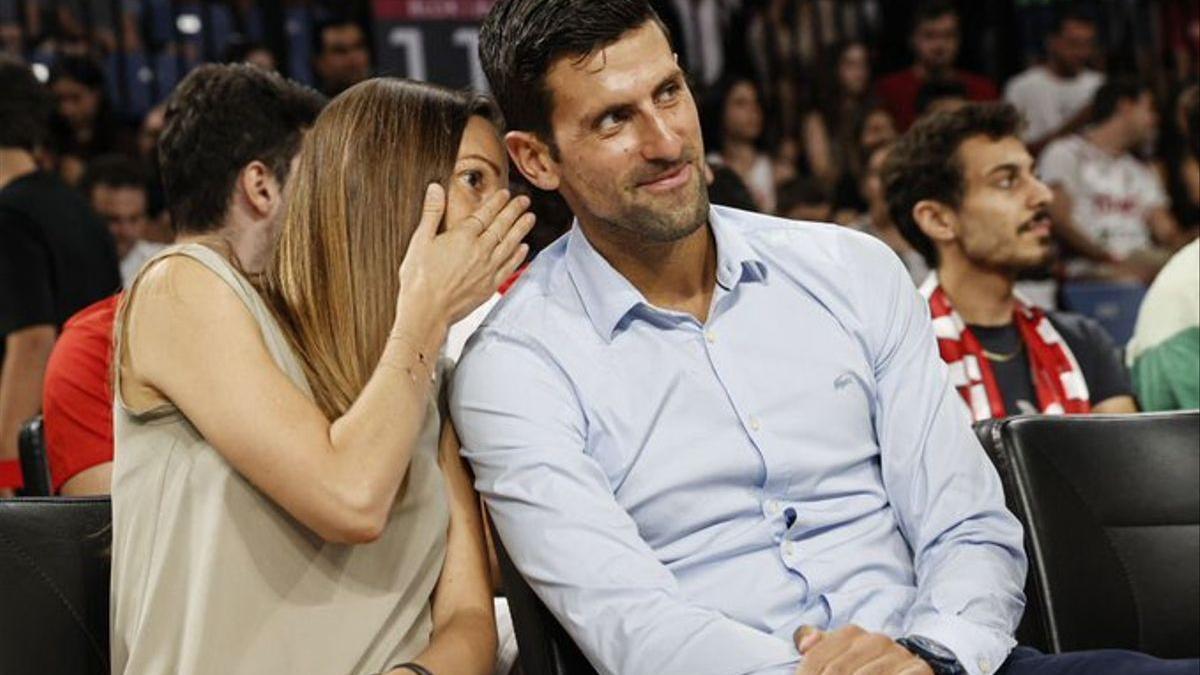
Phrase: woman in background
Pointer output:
(282, 501)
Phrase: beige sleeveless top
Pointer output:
(210, 576)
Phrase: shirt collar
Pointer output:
(608, 297)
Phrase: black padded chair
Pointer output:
(1111, 504)
(544, 646)
(35, 467)
(54, 567)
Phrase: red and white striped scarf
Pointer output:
(1056, 375)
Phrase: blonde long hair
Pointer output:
(353, 204)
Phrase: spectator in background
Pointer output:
(84, 124)
(1180, 160)
(341, 55)
(254, 53)
(56, 257)
(877, 221)
(158, 225)
(842, 99)
(1109, 207)
(872, 130)
(1164, 353)
(77, 400)
(805, 198)
(961, 187)
(1054, 97)
(733, 128)
(935, 44)
(115, 186)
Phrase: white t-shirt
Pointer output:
(132, 263)
(1112, 196)
(1048, 101)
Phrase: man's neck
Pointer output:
(247, 245)
(981, 296)
(1109, 137)
(925, 72)
(678, 275)
(1060, 71)
(15, 163)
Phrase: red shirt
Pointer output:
(77, 399)
(898, 92)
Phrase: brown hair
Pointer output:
(353, 204)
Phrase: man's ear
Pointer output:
(261, 190)
(533, 159)
(938, 221)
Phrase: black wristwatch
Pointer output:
(940, 659)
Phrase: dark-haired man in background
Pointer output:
(56, 257)
(230, 137)
(1054, 97)
(119, 193)
(935, 42)
(1109, 207)
(701, 431)
(961, 187)
(341, 55)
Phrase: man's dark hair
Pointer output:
(25, 107)
(930, 10)
(335, 21)
(520, 39)
(1110, 94)
(218, 120)
(925, 163)
(1071, 14)
(114, 170)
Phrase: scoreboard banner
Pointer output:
(430, 40)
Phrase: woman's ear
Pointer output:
(533, 158)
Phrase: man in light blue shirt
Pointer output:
(698, 429)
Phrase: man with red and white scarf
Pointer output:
(962, 189)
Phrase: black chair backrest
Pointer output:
(54, 580)
(543, 644)
(35, 468)
(1112, 508)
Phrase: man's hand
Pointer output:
(850, 650)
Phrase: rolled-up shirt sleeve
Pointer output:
(967, 547)
(524, 431)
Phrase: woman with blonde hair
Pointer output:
(282, 502)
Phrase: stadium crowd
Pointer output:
(256, 275)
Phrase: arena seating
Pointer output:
(54, 578)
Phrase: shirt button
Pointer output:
(710, 336)
(773, 507)
(789, 550)
(754, 425)
(985, 666)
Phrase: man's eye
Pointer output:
(669, 93)
(612, 120)
(1007, 183)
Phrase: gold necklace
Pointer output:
(1003, 358)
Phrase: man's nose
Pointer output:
(660, 142)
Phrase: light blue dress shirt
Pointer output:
(684, 496)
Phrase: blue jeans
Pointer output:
(1028, 661)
